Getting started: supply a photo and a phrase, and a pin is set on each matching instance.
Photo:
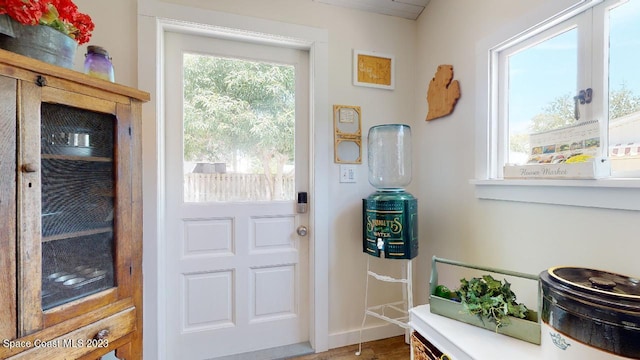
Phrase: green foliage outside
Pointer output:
(239, 110)
(560, 113)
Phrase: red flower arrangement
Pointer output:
(61, 15)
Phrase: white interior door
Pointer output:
(236, 157)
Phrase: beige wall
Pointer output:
(453, 223)
(116, 31)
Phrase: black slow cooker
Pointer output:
(597, 308)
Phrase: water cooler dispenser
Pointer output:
(390, 215)
(390, 219)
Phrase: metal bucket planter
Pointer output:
(38, 42)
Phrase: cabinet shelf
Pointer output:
(76, 234)
(75, 158)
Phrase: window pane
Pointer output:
(624, 89)
(542, 83)
(239, 122)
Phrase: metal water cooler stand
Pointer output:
(400, 307)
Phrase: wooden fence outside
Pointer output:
(200, 187)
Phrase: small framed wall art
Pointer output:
(347, 129)
(373, 69)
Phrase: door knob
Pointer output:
(302, 230)
(30, 167)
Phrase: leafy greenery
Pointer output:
(240, 111)
(490, 299)
(237, 106)
(623, 102)
(560, 112)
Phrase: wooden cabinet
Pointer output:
(71, 214)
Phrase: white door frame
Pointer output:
(154, 18)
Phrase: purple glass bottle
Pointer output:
(98, 63)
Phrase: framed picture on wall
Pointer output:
(373, 69)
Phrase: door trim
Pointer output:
(153, 21)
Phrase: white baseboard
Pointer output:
(369, 333)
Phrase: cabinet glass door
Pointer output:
(78, 189)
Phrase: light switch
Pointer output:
(347, 173)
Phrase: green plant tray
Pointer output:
(524, 329)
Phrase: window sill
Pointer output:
(620, 194)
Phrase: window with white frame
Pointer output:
(569, 90)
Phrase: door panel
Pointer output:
(236, 269)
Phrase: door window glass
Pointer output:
(239, 129)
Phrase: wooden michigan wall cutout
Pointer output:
(443, 94)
